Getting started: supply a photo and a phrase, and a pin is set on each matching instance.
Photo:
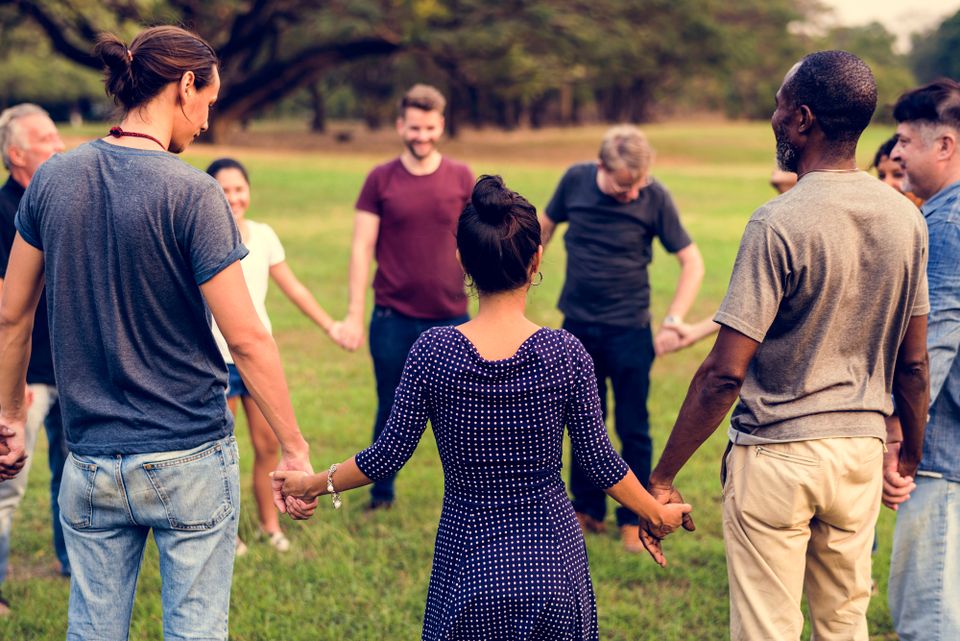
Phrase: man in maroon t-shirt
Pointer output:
(407, 216)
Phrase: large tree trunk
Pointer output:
(318, 123)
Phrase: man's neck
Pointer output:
(145, 121)
(19, 176)
(807, 165)
(421, 166)
(949, 177)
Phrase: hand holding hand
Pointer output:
(667, 340)
(651, 535)
(12, 448)
(896, 486)
(350, 333)
(301, 509)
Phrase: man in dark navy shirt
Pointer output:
(27, 139)
(615, 209)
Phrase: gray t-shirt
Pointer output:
(128, 236)
(826, 279)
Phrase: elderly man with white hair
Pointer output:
(27, 139)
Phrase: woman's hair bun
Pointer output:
(492, 200)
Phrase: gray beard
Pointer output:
(787, 156)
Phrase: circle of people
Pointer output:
(837, 343)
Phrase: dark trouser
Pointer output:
(57, 456)
(391, 336)
(624, 355)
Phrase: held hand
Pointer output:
(350, 333)
(294, 484)
(12, 448)
(288, 462)
(651, 536)
(335, 332)
(667, 340)
(896, 486)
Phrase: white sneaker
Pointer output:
(279, 542)
(241, 547)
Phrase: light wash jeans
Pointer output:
(924, 590)
(108, 506)
(13, 490)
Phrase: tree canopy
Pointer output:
(509, 63)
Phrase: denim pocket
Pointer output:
(76, 493)
(194, 488)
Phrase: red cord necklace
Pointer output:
(117, 132)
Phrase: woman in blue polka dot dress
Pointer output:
(510, 561)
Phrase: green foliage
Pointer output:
(510, 63)
(935, 53)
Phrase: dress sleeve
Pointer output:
(408, 418)
(584, 418)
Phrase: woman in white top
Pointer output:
(266, 260)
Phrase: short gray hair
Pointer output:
(10, 132)
(626, 146)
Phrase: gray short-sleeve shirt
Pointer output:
(826, 280)
(128, 236)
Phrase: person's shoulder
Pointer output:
(385, 168)
(580, 170)
(455, 166)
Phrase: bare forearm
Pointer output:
(911, 390)
(347, 477)
(262, 373)
(630, 493)
(14, 356)
(359, 275)
(307, 304)
(688, 285)
(708, 400)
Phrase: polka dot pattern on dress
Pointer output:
(509, 560)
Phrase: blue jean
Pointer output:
(108, 506)
(391, 336)
(624, 355)
(56, 456)
(924, 589)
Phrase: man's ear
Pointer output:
(806, 119)
(947, 145)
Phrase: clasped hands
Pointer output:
(652, 535)
(296, 491)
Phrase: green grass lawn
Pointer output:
(357, 576)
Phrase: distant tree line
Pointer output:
(506, 64)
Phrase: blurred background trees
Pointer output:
(507, 64)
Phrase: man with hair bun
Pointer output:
(406, 216)
(825, 316)
(28, 138)
(615, 209)
(137, 249)
(925, 566)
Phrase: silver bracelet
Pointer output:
(336, 495)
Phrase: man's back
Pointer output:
(827, 278)
(128, 235)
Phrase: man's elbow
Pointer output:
(720, 378)
(245, 343)
(913, 375)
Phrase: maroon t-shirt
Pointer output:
(417, 270)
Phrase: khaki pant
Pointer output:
(800, 516)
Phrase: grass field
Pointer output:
(357, 576)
